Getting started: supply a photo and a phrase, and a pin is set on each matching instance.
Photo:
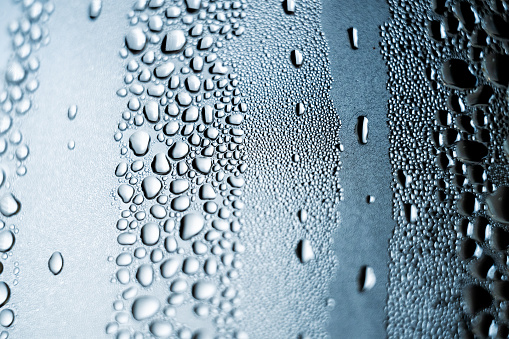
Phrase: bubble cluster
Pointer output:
(28, 34)
(180, 189)
(448, 126)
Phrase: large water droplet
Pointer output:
(145, 307)
(136, 40)
(366, 279)
(56, 263)
(190, 225)
(174, 41)
(9, 205)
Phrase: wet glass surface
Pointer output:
(253, 169)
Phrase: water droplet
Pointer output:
(9, 205)
(5, 293)
(498, 204)
(190, 225)
(150, 234)
(161, 329)
(15, 73)
(305, 251)
(6, 240)
(204, 290)
(139, 143)
(56, 263)
(174, 41)
(353, 34)
(136, 40)
(145, 307)
(297, 58)
(6, 317)
(362, 129)
(145, 275)
(94, 10)
(366, 279)
(72, 111)
(151, 187)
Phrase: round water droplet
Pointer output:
(15, 73)
(145, 275)
(145, 307)
(136, 40)
(151, 187)
(178, 150)
(161, 329)
(204, 290)
(6, 317)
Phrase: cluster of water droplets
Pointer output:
(181, 175)
(28, 34)
(293, 185)
(449, 73)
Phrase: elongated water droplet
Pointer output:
(56, 263)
